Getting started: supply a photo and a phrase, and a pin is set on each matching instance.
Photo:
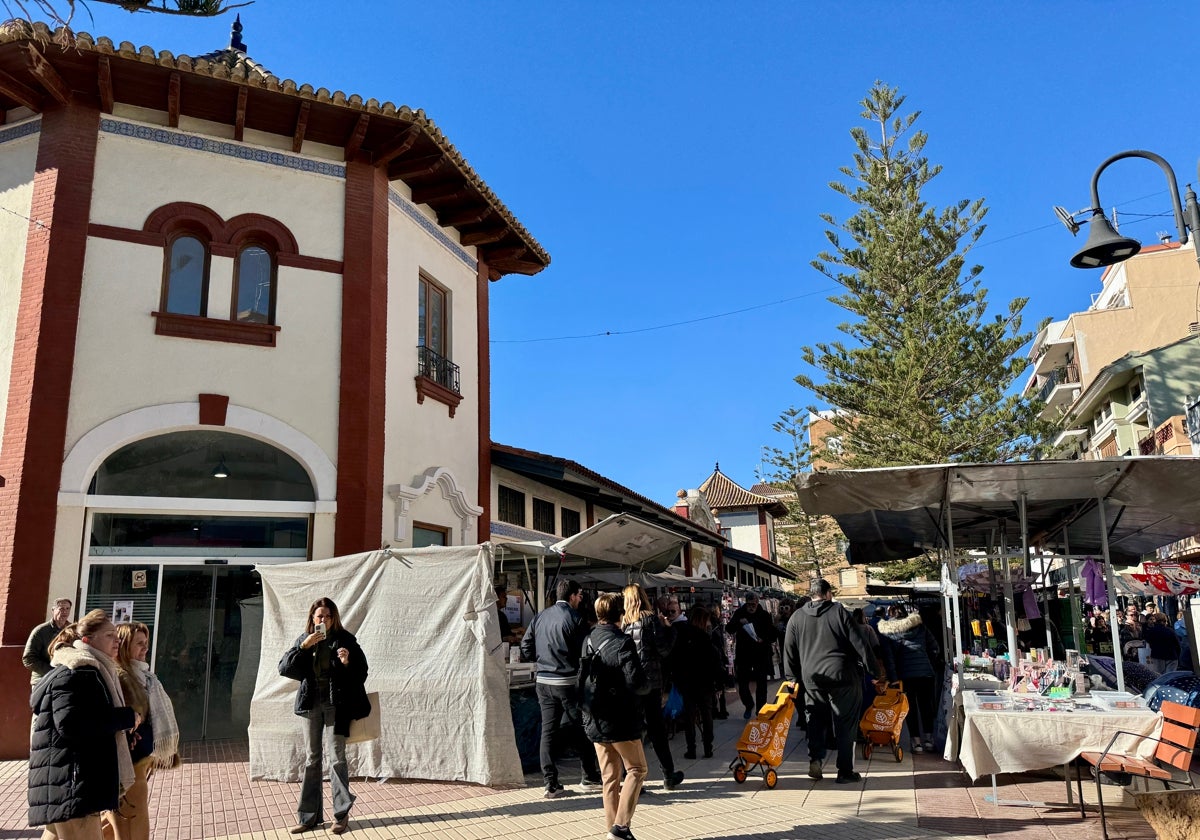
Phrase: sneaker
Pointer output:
(814, 769)
(848, 778)
(928, 746)
(917, 748)
(592, 784)
(553, 791)
(672, 781)
(620, 832)
(708, 751)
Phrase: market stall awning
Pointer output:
(898, 512)
(624, 540)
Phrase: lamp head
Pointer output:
(1104, 245)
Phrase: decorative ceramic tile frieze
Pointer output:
(430, 227)
(20, 130)
(241, 151)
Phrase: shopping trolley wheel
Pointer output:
(739, 773)
(772, 778)
(867, 750)
(898, 751)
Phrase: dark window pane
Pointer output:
(543, 516)
(512, 506)
(437, 320)
(183, 464)
(185, 277)
(422, 306)
(254, 286)
(193, 535)
(570, 522)
(423, 537)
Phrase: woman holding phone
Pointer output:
(332, 671)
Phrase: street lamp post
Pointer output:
(1104, 245)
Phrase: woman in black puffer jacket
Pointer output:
(79, 762)
(914, 650)
(332, 671)
(612, 715)
(654, 640)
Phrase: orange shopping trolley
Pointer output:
(763, 739)
(884, 719)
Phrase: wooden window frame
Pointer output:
(500, 507)
(562, 522)
(425, 282)
(446, 533)
(201, 236)
(273, 254)
(553, 515)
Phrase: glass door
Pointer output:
(207, 646)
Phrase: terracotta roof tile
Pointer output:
(723, 492)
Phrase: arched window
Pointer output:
(254, 286)
(185, 287)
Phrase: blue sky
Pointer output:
(673, 158)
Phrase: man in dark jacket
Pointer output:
(37, 657)
(553, 640)
(827, 654)
(753, 632)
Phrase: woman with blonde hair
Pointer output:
(612, 715)
(654, 639)
(79, 763)
(155, 743)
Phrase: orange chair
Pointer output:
(1172, 755)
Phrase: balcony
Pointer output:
(437, 378)
(1058, 389)
(1170, 438)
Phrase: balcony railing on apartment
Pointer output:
(1065, 375)
(437, 368)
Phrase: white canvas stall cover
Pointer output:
(425, 619)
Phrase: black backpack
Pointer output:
(589, 680)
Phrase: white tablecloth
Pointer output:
(1012, 742)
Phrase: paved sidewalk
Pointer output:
(211, 797)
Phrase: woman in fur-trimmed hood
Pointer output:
(914, 650)
(79, 762)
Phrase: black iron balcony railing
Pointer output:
(1059, 376)
(437, 368)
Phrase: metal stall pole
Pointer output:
(1118, 656)
(1022, 500)
(1077, 631)
(953, 568)
(541, 582)
(1010, 606)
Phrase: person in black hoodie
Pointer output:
(753, 631)
(79, 762)
(332, 671)
(613, 715)
(827, 653)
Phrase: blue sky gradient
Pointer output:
(673, 159)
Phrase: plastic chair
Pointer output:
(1172, 755)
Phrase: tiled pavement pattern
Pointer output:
(923, 796)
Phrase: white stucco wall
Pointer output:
(18, 158)
(743, 530)
(418, 437)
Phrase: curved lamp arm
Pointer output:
(1170, 173)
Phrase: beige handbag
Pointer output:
(366, 729)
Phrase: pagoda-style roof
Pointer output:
(40, 67)
(723, 493)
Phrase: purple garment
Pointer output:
(1095, 589)
(1029, 599)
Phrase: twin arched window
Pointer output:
(185, 286)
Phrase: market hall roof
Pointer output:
(577, 480)
(722, 492)
(898, 512)
(40, 67)
(754, 560)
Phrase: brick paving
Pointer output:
(211, 797)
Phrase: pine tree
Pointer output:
(62, 12)
(924, 376)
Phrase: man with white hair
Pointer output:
(37, 649)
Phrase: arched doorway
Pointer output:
(175, 524)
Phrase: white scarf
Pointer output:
(162, 719)
(83, 655)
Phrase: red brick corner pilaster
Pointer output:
(361, 414)
(39, 393)
(483, 339)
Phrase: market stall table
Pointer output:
(1013, 741)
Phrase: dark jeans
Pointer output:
(698, 710)
(656, 730)
(756, 671)
(921, 717)
(560, 709)
(841, 705)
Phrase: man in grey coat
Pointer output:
(826, 654)
(37, 656)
